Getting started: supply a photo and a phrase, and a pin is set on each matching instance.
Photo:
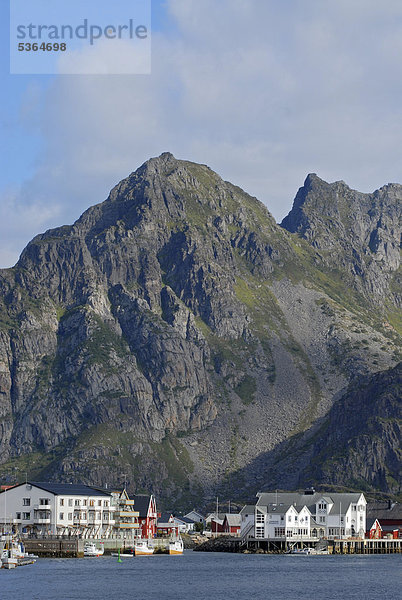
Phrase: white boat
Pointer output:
(302, 551)
(176, 546)
(124, 554)
(14, 555)
(143, 548)
(90, 549)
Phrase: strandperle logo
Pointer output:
(85, 31)
(76, 37)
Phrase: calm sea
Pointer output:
(207, 576)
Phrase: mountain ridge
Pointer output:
(175, 332)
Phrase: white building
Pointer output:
(57, 509)
(309, 516)
(247, 516)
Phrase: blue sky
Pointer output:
(262, 91)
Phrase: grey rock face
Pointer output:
(357, 234)
(175, 333)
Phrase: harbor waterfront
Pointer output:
(208, 575)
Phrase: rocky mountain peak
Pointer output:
(176, 333)
(356, 233)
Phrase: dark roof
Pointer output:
(382, 509)
(195, 512)
(141, 503)
(286, 499)
(76, 489)
(185, 519)
(164, 518)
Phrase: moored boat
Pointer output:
(176, 546)
(143, 548)
(301, 551)
(127, 553)
(91, 550)
(14, 555)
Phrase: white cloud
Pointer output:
(263, 92)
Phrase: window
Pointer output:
(106, 516)
(26, 501)
(61, 501)
(92, 503)
(289, 518)
(322, 520)
(99, 502)
(70, 501)
(26, 516)
(61, 516)
(70, 516)
(84, 502)
(259, 517)
(18, 515)
(77, 503)
(259, 532)
(106, 503)
(43, 501)
(279, 532)
(296, 518)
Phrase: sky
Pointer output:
(263, 91)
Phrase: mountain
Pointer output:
(177, 336)
(356, 445)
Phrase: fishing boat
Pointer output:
(176, 546)
(143, 548)
(90, 549)
(302, 551)
(14, 555)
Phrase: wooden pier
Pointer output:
(64, 547)
(387, 546)
(335, 546)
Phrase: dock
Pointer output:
(68, 547)
(332, 546)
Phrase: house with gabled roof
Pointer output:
(294, 516)
(232, 524)
(145, 504)
(215, 521)
(195, 516)
(45, 508)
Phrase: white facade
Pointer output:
(247, 515)
(281, 521)
(309, 516)
(30, 508)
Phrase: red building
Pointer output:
(145, 505)
(232, 524)
(216, 521)
(383, 528)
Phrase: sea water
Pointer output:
(207, 576)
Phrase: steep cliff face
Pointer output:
(356, 445)
(357, 234)
(175, 333)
